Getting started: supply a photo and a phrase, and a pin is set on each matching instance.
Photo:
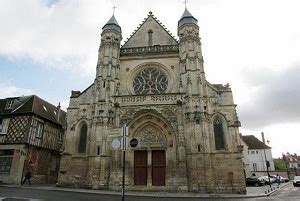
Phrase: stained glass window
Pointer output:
(219, 134)
(82, 139)
(150, 81)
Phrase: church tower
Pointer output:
(186, 127)
(108, 66)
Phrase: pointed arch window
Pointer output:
(150, 33)
(219, 134)
(82, 139)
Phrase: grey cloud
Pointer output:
(277, 100)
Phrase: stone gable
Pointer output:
(160, 36)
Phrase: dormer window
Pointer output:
(9, 104)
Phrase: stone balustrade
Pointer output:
(164, 99)
(150, 49)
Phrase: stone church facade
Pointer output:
(187, 128)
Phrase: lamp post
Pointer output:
(267, 162)
(124, 137)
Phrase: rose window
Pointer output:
(150, 81)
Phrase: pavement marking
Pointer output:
(18, 199)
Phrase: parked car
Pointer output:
(296, 181)
(285, 179)
(255, 181)
(282, 179)
(266, 179)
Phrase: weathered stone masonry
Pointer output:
(188, 129)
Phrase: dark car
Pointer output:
(296, 181)
(255, 181)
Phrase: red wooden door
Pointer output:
(158, 167)
(140, 167)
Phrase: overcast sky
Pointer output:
(49, 47)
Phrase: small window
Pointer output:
(60, 139)
(256, 152)
(39, 130)
(98, 150)
(9, 104)
(199, 147)
(255, 167)
(45, 108)
(252, 152)
(6, 157)
(4, 125)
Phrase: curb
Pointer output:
(150, 194)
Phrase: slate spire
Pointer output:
(187, 18)
(112, 24)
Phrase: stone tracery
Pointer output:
(150, 81)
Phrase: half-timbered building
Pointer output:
(30, 129)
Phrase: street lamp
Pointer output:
(267, 162)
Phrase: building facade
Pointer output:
(30, 129)
(293, 160)
(256, 155)
(187, 128)
(246, 158)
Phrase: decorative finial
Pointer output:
(114, 7)
(185, 2)
(150, 13)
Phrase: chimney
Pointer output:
(58, 112)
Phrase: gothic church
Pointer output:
(187, 128)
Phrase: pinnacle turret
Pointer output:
(187, 18)
(112, 24)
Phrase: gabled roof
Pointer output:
(36, 105)
(161, 36)
(254, 143)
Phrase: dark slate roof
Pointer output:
(36, 105)
(112, 24)
(254, 143)
(187, 18)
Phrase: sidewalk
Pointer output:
(252, 192)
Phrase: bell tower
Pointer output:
(108, 65)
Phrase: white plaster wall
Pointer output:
(259, 158)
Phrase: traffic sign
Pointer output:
(133, 142)
(116, 144)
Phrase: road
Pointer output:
(289, 193)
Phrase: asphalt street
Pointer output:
(23, 194)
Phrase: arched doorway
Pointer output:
(151, 153)
(156, 147)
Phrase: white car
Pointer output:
(282, 179)
(296, 181)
